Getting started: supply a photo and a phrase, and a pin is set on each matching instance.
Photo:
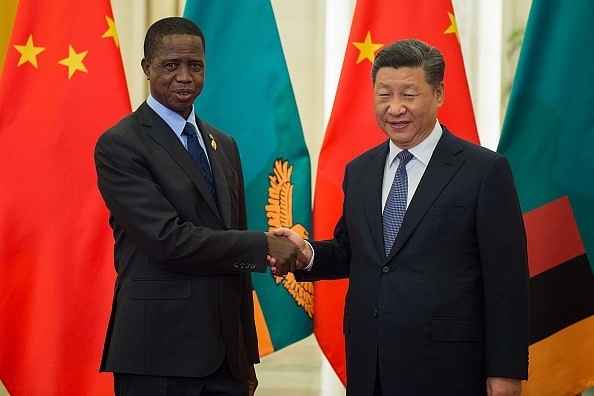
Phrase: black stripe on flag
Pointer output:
(560, 296)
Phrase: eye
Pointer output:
(170, 65)
(196, 66)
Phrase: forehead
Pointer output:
(181, 44)
(414, 76)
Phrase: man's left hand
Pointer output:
(497, 386)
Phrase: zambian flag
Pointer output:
(548, 137)
(248, 94)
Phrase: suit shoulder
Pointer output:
(372, 153)
(470, 149)
(119, 130)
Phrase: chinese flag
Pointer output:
(352, 128)
(62, 85)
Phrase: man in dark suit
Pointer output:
(442, 309)
(182, 320)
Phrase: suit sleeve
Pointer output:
(504, 265)
(147, 211)
(332, 256)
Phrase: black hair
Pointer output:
(411, 53)
(166, 27)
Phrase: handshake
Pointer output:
(287, 251)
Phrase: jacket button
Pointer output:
(375, 313)
(385, 269)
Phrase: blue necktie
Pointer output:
(199, 156)
(395, 206)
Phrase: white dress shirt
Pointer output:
(415, 168)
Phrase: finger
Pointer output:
(281, 268)
(281, 231)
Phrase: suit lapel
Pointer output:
(160, 132)
(373, 200)
(214, 156)
(444, 163)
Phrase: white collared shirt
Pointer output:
(415, 168)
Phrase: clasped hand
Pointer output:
(287, 251)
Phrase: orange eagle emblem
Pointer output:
(279, 211)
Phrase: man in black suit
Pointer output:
(442, 309)
(182, 320)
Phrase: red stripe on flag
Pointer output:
(553, 236)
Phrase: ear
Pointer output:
(440, 93)
(145, 64)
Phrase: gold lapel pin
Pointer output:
(213, 142)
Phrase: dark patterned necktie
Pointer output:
(395, 206)
(199, 156)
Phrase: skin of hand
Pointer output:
(295, 238)
(497, 386)
(252, 381)
(282, 254)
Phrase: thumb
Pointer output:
(282, 232)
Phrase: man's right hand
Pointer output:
(283, 255)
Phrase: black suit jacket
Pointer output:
(183, 294)
(449, 306)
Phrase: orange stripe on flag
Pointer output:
(552, 222)
(264, 341)
(558, 360)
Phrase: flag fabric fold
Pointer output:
(248, 94)
(548, 135)
(62, 85)
(352, 128)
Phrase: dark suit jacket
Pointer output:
(449, 307)
(183, 294)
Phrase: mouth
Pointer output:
(399, 124)
(184, 94)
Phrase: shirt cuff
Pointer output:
(313, 255)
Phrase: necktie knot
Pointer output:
(404, 156)
(189, 130)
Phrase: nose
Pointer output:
(396, 107)
(183, 73)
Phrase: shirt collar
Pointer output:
(171, 118)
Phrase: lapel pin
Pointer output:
(213, 142)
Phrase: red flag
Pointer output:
(62, 85)
(352, 128)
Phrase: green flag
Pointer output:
(548, 137)
(248, 94)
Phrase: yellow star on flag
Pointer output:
(29, 52)
(367, 49)
(453, 28)
(111, 31)
(74, 61)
